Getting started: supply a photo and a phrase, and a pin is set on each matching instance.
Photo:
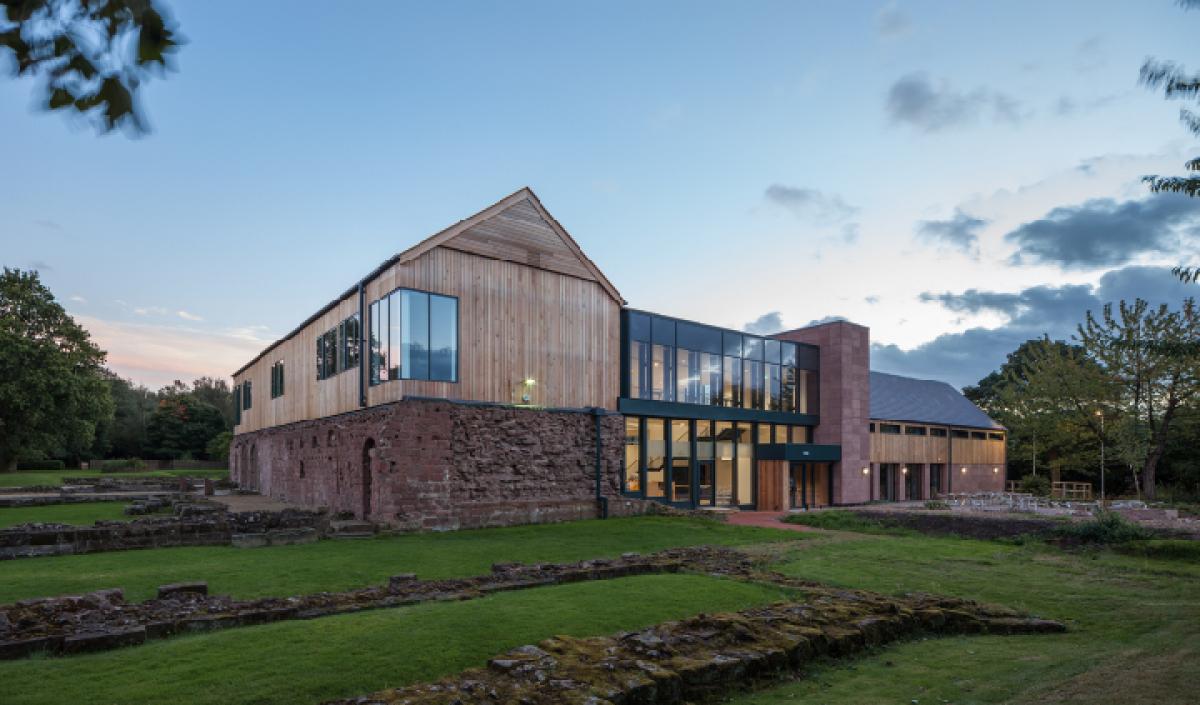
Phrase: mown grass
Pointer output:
(342, 565)
(312, 661)
(1134, 634)
(85, 513)
(54, 478)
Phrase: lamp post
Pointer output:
(1100, 413)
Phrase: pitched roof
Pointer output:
(522, 204)
(896, 398)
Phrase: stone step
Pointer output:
(351, 529)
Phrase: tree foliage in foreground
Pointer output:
(53, 393)
(92, 56)
(1177, 84)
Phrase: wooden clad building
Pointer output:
(537, 323)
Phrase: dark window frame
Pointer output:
(375, 377)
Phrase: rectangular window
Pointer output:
(237, 404)
(802, 434)
(277, 380)
(705, 465)
(375, 346)
(687, 375)
(395, 335)
(995, 436)
(633, 455)
(246, 401)
(978, 436)
(663, 382)
(764, 433)
(353, 337)
(639, 370)
(711, 372)
(787, 388)
(890, 428)
(414, 335)
(656, 458)
(733, 382)
(443, 338)
(959, 433)
(745, 465)
(681, 462)
(774, 390)
(732, 344)
(340, 346)
(935, 478)
(752, 384)
(802, 406)
(771, 351)
(787, 354)
(871, 427)
(724, 480)
(321, 357)
(937, 432)
(915, 431)
(752, 348)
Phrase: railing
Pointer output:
(1071, 490)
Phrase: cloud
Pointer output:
(916, 101)
(150, 311)
(872, 299)
(965, 357)
(891, 21)
(188, 316)
(961, 231)
(765, 324)
(811, 204)
(1102, 232)
(156, 355)
(77, 299)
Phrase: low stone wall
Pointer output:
(421, 464)
(194, 525)
(699, 659)
(949, 522)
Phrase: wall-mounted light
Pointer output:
(904, 470)
(866, 470)
(964, 471)
(529, 381)
(996, 470)
(527, 393)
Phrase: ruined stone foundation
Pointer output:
(437, 464)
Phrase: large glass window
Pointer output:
(724, 490)
(416, 336)
(639, 370)
(663, 380)
(443, 338)
(687, 374)
(745, 465)
(711, 379)
(732, 395)
(752, 384)
(705, 467)
(774, 398)
(656, 458)
(681, 462)
(633, 455)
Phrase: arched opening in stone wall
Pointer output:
(367, 456)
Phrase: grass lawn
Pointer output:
(311, 661)
(341, 565)
(54, 478)
(1134, 625)
(84, 513)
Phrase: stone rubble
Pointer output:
(699, 658)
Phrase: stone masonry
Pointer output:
(845, 402)
(436, 464)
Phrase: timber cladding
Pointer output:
(903, 448)
(531, 306)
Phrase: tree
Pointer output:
(53, 394)
(1139, 350)
(182, 427)
(1176, 83)
(218, 447)
(93, 54)
(216, 392)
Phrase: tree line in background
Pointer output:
(1128, 383)
(58, 401)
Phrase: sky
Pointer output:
(958, 176)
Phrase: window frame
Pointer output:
(374, 376)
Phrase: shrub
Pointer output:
(122, 464)
(218, 447)
(842, 520)
(41, 465)
(1037, 485)
(1106, 528)
(937, 504)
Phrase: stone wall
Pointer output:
(438, 464)
(845, 402)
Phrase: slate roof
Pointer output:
(896, 398)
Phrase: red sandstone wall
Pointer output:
(978, 478)
(845, 401)
(438, 465)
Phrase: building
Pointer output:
(492, 374)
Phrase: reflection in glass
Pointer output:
(745, 464)
(656, 458)
(639, 370)
(632, 456)
(443, 338)
(662, 380)
(774, 384)
(733, 382)
(681, 462)
(724, 491)
(704, 461)
(710, 379)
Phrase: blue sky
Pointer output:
(934, 170)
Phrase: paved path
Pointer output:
(766, 520)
